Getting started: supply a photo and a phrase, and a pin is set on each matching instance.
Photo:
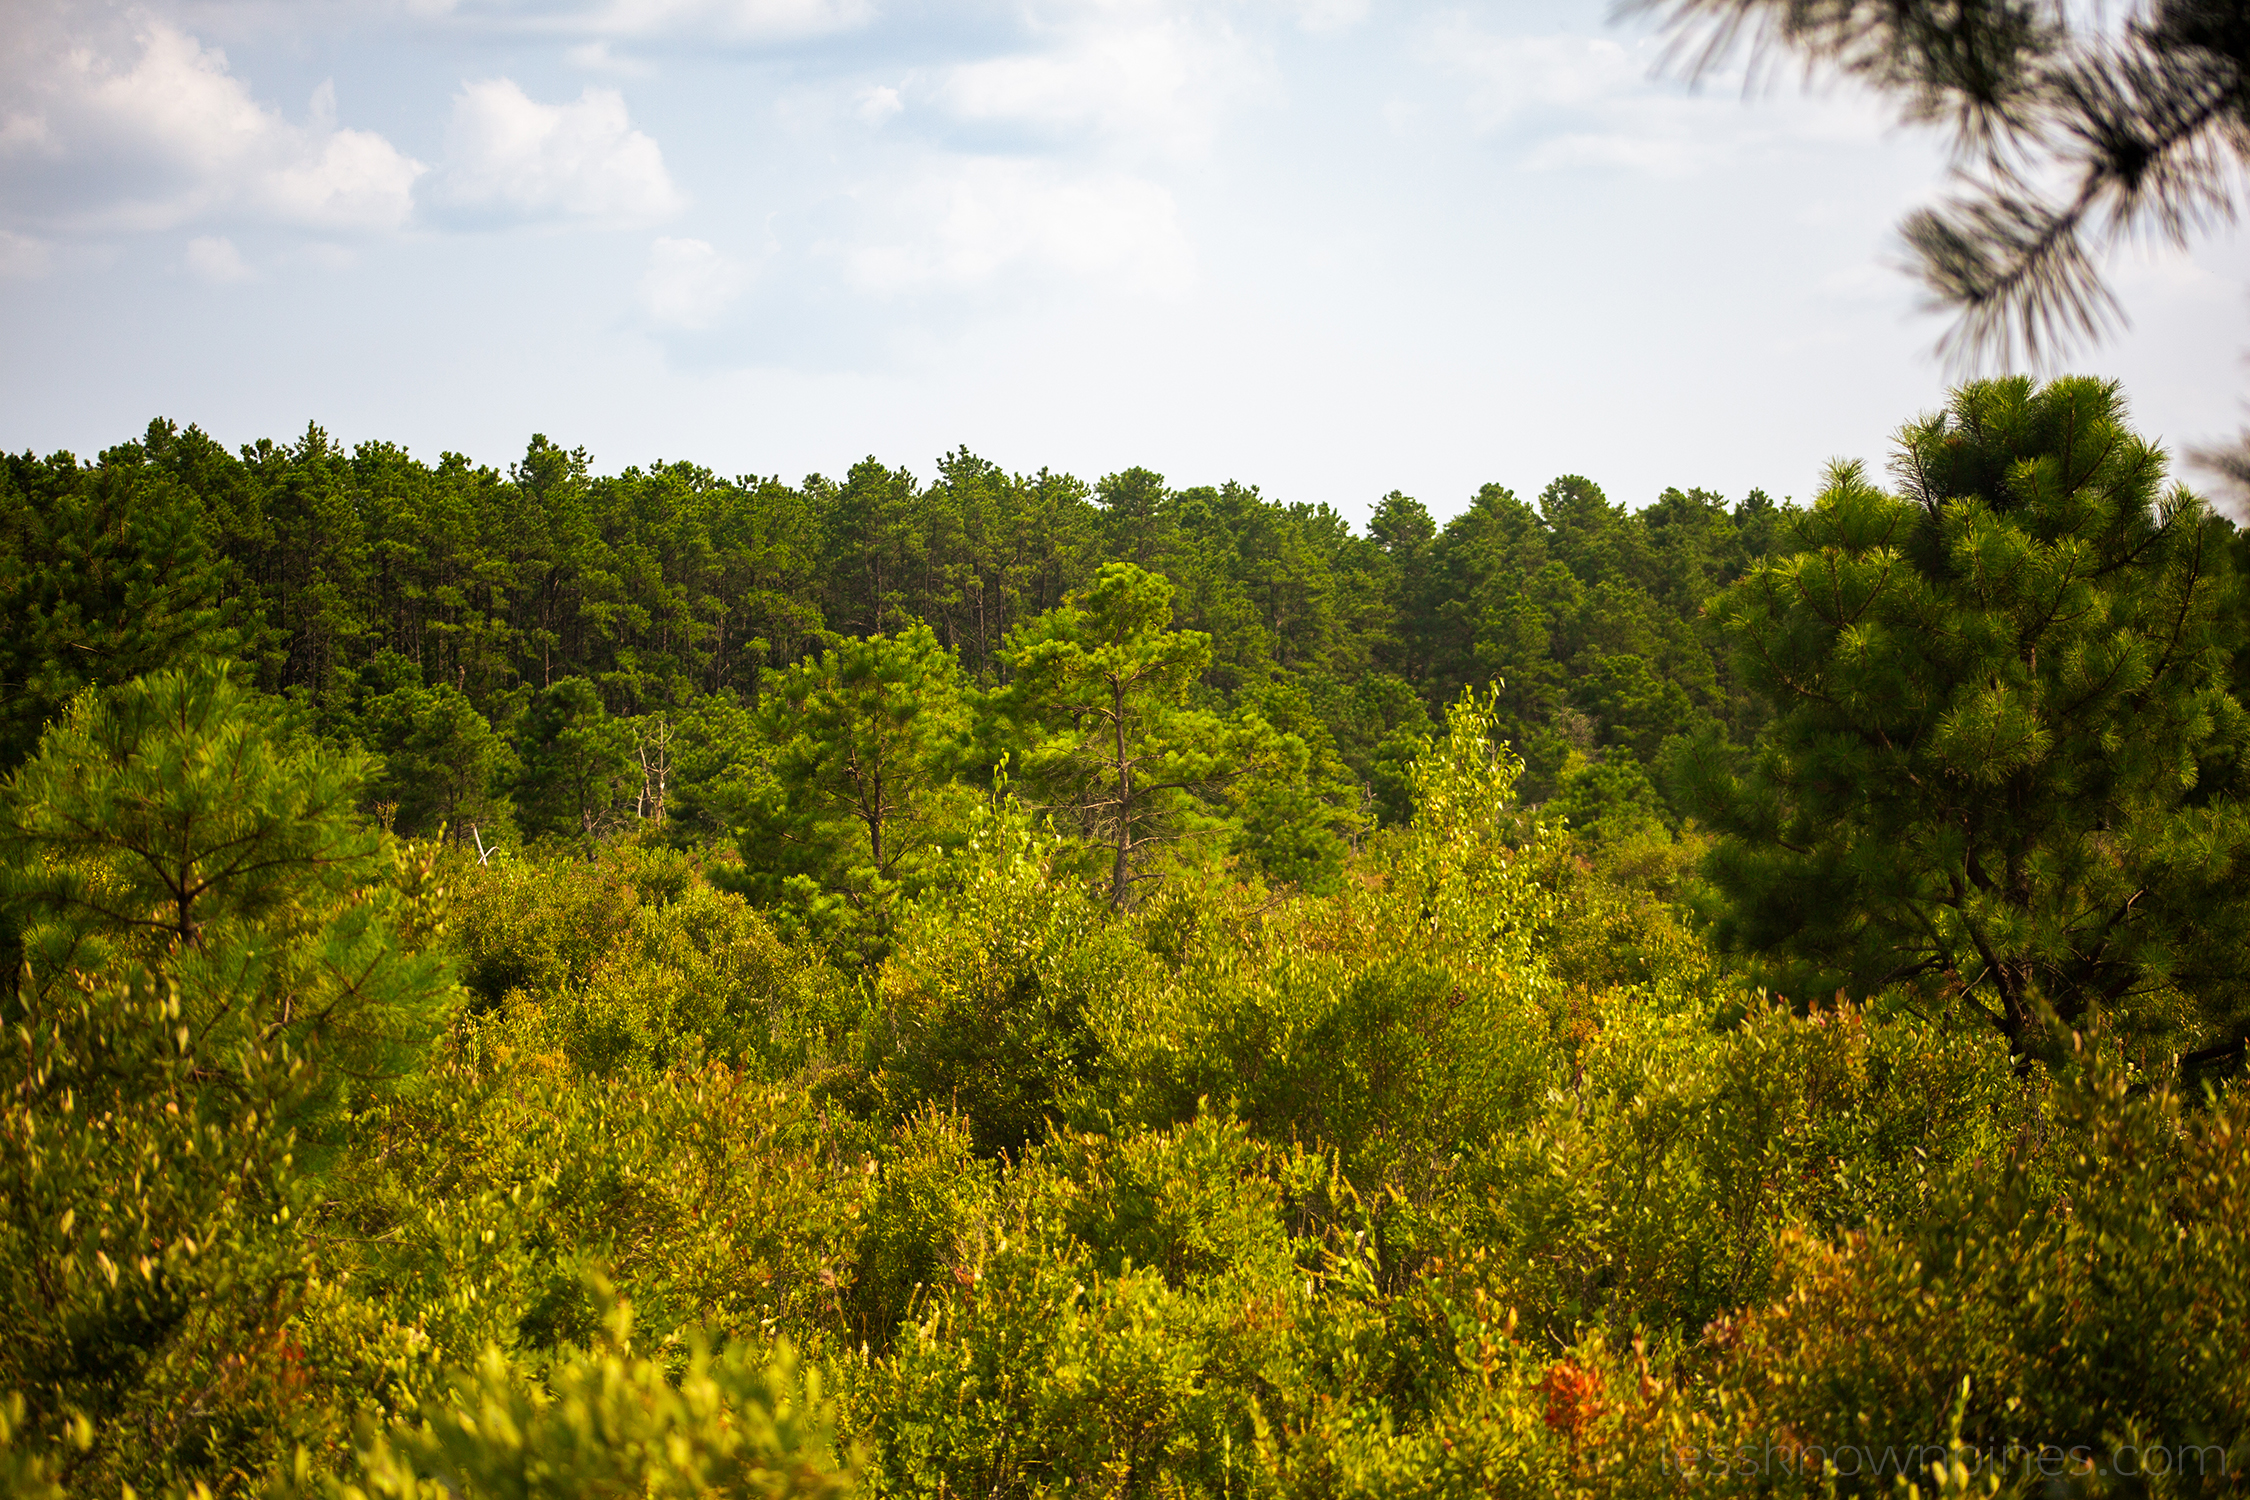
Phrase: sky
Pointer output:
(1325, 247)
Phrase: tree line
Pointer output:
(345, 578)
(1925, 726)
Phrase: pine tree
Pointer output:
(220, 959)
(2005, 763)
(2072, 128)
(103, 576)
(1102, 704)
(440, 762)
(861, 790)
(578, 762)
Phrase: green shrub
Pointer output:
(541, 925)
(717, 1199)
(24, 1473)
(631, 959)
(990, 994)
(1055, 1358)
(609, 1421)
(2086, 1296)
(934, 1200)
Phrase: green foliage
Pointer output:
(104, 575)
(936, 1195)
(1609, 801)
(861, 800)
(1100, 700)
(1621, 913)
(1220, 1195)
(1442, 1156)
(1381, 734)
(1294, 815)
(721, 1200)
(699, 976)
(176, 828)
(147, 1251)
(24, 1473)
(989, 1000)
(541, 926)
(442, 764)
(609, 1421)
(714, 754)
(676, 595)
(578, 763)
(632, 959)
(2005, 764)
(2060, 1302)
(215, 971)
(1399, 1062)
(1109, 1326)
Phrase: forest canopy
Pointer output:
(541, 983)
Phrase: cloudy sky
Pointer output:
(1322, 246)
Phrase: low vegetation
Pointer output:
(1100, 1055)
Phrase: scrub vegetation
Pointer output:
(539, 984)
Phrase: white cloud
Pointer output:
(1590, 102)
(27, 135)
(21, 256)
(733, 19)
(214, 258)
(1131, 77)
(968, 221)
(174, 136)
(1511, 76)
(325, 254)
(1655, 152)
(689, 284)
(708, 20)
(595, 57)
(879, 103)
(355, 181)
(509, 156)
(1329, 15)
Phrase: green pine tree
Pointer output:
(221, 960)
(2005, 764)
(103, 576)
(441, 762)
(861, 793)
(579, 770)
(1103, 706)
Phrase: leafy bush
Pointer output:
(2080, 1296)
(1477, 1175)
(219, 970)
(1110, 1324)
(990, 996)
(934, 1202)
(608, 1421)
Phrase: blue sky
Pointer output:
(1326, 247)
